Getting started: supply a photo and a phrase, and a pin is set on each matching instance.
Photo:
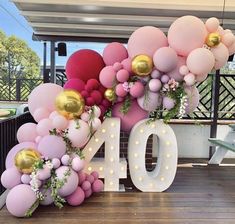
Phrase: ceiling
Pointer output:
(105, 20)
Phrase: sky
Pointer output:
(13, 23)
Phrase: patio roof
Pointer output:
(110, 19)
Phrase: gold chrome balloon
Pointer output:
(142, 65)
(213, 39)
(110, 95)
(25, 159)
(70, 104)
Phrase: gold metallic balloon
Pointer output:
(142, 65)
(25, 159)
(110, 95)
(213, 39)
(70, 104)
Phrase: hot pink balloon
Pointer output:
(27, 133)
(221, 55)
(44, 126)
(40, 114)
(75, 84)
(97, 186)
(212, 24)
(76, 198)
(200, 61)
(108, 76)
(60, 122)
(192, 99)
(43, 96)
(165, 59)
(186, 34)
(10, 178)
(146, 40)
(114, 52)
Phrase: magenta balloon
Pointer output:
(165, 59)
(114, 52)
(72, 181)
(81, 177)
(129, 119)
(186, 34)
(108, 76)
(221, 55)
(88, 193)
(20, 199)
(52, 146)
(27, 133)
(76, 198)
(40, 114)
(146, 40)
(48, 200)
(212, 24)
(43, 96)
(10, 159)
(75, 84)
(175, 74)
(10, 178)
(192, 99)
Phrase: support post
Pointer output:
(46, 77)
(53, 69)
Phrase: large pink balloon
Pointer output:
(108, 76)
(114, 52)
(10, 178)
(212, 24)
(146, 40)
(44, 126)
(200, 61)
(20, 199)
(192, 99)
(40, 114)
(165, 59)
(27, 133)
(44, 96)
(11, 154)
(129, 119)
(186, 34)
(221, 55)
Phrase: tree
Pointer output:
(17, 60)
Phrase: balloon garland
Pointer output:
(154, 75)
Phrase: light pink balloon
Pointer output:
(200, 61)
(228, 39)
(25, 178)
(127, 64)
(190, 79)
(48, 198)
(155, 74)
(183, 70)
(78, 132)
(41, 113)
(43, 96)
(44, 126)
(201, 78)
(221, 55)
(60, 122)
(165, 59)
(175, 74)
(168, 103)
(85, 116)
(114, 52)
(146, 40)
(38, 139)
(108, 76)
(78, 164)
(231, 49)
(155, 85)
(192, 99)
(186, 34)
(10, 178)
(220, 30)
(27, 133)
(53, 114)
(212, 24)
(95, 123)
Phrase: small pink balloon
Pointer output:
(60, 122)
(175, 74)
(192, 99)
(221, 55)
(137, 90)
(155, 74)
(201, 78)
(56, 163)
(53, 114)
(27, 133)
(25, 178)
(114, 52)
(48, 200)
(220, 30)
(37, 182)
(231, 49)
(40, 114)
(44, 126)
(228, 39)
(108, 76)
(189, 79)
(183, 70)
(120, 91)
(97, 111)
(95, 123)
(90, 178)
(165, 78)
(86, 185)
(168, 103)
(81, 177)
(75, 84)
(126, 63)
(10, 178)
(88, 193)
(95, 174)
(78, 164)
(65, 159)
(122, 75)
(117, 66)
(97, 186)
(155, 85)
(212, 24)
(76, 198)
(38, 139)
(165, 59)
(44, 173)
(85, 116)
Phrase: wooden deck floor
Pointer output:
(199, 195)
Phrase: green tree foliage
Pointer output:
(17, 59)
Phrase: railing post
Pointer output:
(18, 87)
(53, 69)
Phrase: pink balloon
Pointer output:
(168, 103)
(86, 185)
(114, 52)
(146, 40)
(117, 66)
(10, 159)
(155, 74)
(85, 117)
(192, 100)
(183, 70)
(120, 91)
(186, 34)
(52, 146)
(72, 181)
(44, 173)
(48, 198)
(220, 30)
(88, 193)
(231, 49)
(122, 75)
(53, 114)
(10, 178)
(25, 178)
(221, 55)
(129, 119)
(76, 198)
(97, 186)
(108, 76)
(60, 122)
(201, 78)
(90, 178)
(44, 126)
(78, 164)
(56, 163)
(200, 61)
(78, 134)
(137, 90)
(212, 24)
(95, 174)
(155, 85)
(175, 74)
(127, 64)
(190, 79)
(20, 199)
(228, 39)
(165, 59)
(165, 78)
(75, 84)
(81, 177)
(40, 114)
(43, 96)
(95, 123)
(27, 133)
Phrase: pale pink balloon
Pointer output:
(231, 49)
(108, 76)
(25, 178)
(155, 85)
(168, 103)
(127, 64)
(48, 198)
(186, 34)
(212, 24)
(38, 139)
(221, 55)
(78, 132)
(165, 59)
(60, 122)
(201, 78)
(78, 164)
(175, 74)
(183, 70)
(44, 126)
(192, 99)
(228, 39)
(53, 114)
(43, 96)
(95, 123)
(85, 116)
(155, 74)
(220, 30)
(146, 40)
(41, 113)
(190, 79)
(27, 133)
(200, 61)
(10, 178)
(97, 111)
